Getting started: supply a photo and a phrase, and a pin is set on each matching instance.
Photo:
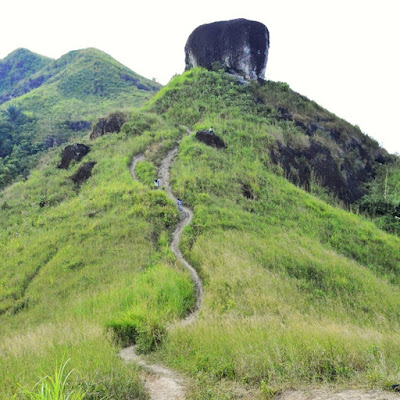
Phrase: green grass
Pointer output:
(297, 292)
(18, 66)
(75, 265)
(54, 387)
(81, 86)
(293, 286)
(159, 295)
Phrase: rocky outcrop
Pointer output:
(111, 124)
(73, 152)
(210, 139)
(343, 169)
(319, 148)
(240, 45)
(78, 125)
(84, 173)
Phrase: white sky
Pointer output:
(344, 54)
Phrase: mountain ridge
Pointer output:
(17, 66)
(50, 72)
(60, 101)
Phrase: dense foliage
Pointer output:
(17, 152)
(21, 64)
(382, 201)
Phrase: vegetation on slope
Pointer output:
(59, 102)
(382, 201)
(293, 286)
(18, 66)
(297, 291)
(81, 263)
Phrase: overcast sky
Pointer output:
(344, 54)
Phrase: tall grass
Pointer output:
(54, 387)
(296, 291)
(69, 268)
(159, 295)
(293, 286)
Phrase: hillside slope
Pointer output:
(18, 66)
(59, 100)
(297, 292)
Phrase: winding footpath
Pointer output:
(161, 382)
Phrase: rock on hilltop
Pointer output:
(240, 45)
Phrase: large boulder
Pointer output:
(111, 124)
(84, 173)
(240, 45)
(73, 152)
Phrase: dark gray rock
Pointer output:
(240, 45)
(53, 140)
(135, 82)
(73, 152)
(78, 125)
(210, 139)
(111, 124)
(84, 173)
(342, 176)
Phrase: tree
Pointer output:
(13, 115)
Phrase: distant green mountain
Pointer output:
(57, 100)
(17, 67)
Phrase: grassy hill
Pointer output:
(48, 102)
(297, 291)
(18, 66)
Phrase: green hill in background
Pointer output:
(17, 67)
(48, 102)
(298, 291)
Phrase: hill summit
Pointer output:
(19, 65)
(79, 73)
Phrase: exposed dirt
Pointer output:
(84, 173)
(73, 152)
(210, 139)
(111, 124)
(186, 218)
(135, 160)
(161, 382)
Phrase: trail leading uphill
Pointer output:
(162, 383)
(186, 218)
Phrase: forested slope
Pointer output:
(45, 103)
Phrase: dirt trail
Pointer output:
(160, 382)
(164, 384)
(186, 218)
(350, 394)
(132, 168)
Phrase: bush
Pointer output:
(158, 296)
(151, 335)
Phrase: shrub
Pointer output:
(158, 296)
